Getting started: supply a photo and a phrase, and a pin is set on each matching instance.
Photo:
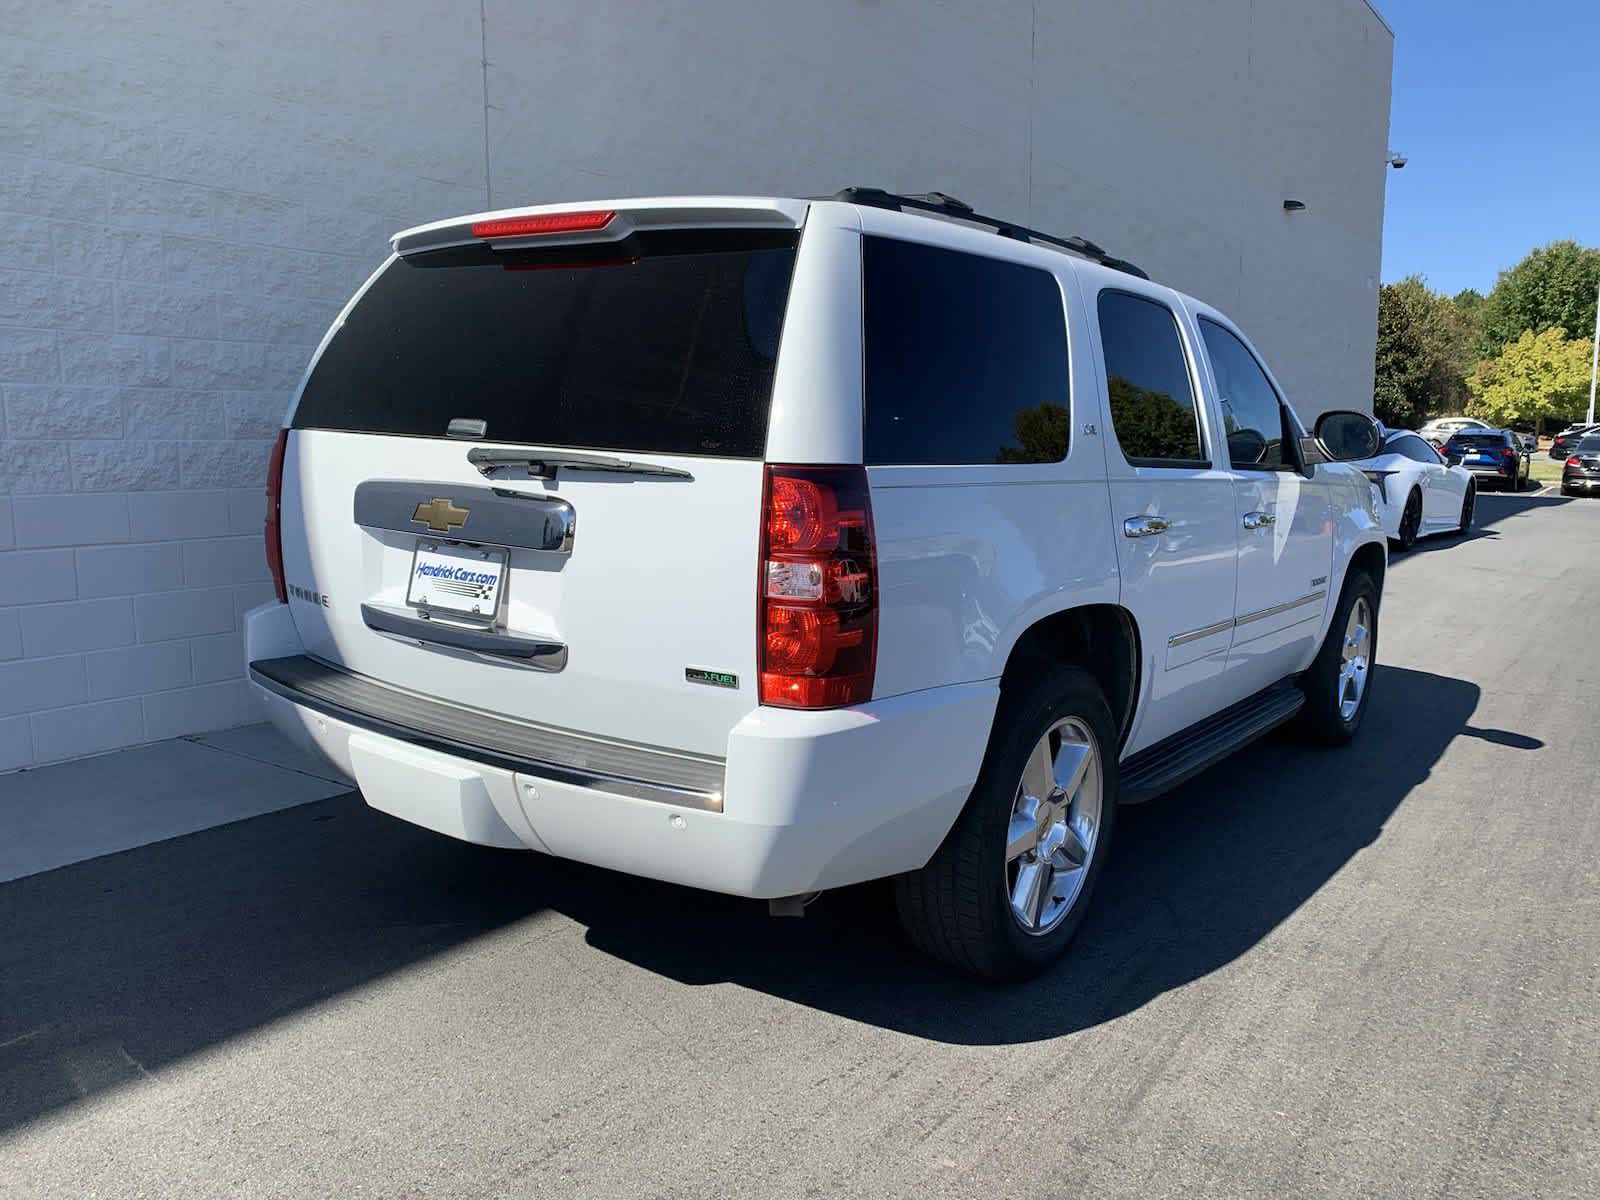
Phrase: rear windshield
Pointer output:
(668, 345)
(1478, 439)
(1590, 444)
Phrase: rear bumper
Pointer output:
(808, 800)
(1584, 482)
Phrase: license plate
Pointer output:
(1483, 458)
(448, 577)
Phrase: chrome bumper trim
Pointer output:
(543, 751)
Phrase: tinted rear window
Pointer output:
(966, 357)
(1478, 439)
(1147, 382)
(668, 347)
(1590, 444)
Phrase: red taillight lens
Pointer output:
(1574, 461)
(274, 527)
(818, 602)
(578, 222)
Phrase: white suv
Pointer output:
(773, 545)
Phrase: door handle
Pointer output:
(1137, 527)
(1258, 520)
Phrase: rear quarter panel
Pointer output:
(970, 556)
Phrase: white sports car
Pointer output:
(1418, 492)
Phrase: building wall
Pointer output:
(189, 190)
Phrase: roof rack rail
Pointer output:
(944, 205)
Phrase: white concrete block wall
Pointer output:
(189, 191)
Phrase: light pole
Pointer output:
(1594, 357)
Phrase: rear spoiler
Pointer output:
(570, 224)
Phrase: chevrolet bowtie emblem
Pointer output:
(440, 515)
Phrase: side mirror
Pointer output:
(1246, 446)
(1345, 436)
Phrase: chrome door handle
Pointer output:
(1258, 520)
(1137, 527)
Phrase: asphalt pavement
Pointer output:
(1365, 972)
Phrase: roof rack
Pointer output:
(944, 205)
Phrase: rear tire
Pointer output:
(1338, 684)
(963, 907)
(1468, 503)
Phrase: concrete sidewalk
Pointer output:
(56, 815)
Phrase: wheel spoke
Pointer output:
(1071, 765)
(1028, 894)
(1074, 850)
(1038, 777)
(1024, 832)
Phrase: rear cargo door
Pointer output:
(528, 479)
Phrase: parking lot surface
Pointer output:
(1371, 971)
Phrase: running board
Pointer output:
(1162, 767)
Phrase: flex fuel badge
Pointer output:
(712, 678)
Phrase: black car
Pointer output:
(1563, 443)
(1582, 472)
(1494, 456)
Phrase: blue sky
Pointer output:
(1497, 106)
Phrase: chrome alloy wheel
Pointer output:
(1355, 658)
(1055, 825)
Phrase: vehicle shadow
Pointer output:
(121, 964)
(1199, 877)
(1492, 509)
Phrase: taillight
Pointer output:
(575, 222)
(274, 525)
(818, 590)
(1574, 461)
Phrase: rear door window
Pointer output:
(1147, 379)
(668, 346)
(965, 358)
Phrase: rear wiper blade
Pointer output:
(544, 466)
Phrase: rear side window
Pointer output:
(966, 358)
(1147, 378)
(669, 346)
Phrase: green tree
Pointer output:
(1553, 287)
(1469, 305)
(1151, 424)
(1424, 353)
(1041, 435)
(1537, 377)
